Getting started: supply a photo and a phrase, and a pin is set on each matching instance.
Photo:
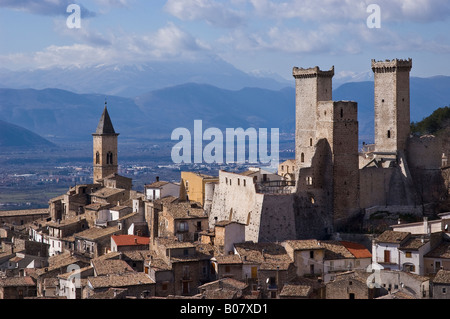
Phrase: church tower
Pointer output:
(105, 148)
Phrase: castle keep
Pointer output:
(336, 184)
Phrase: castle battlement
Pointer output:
(300, 73)
(391, 65)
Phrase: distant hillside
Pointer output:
(435, 124)
(60, 115)
(427, 95)
(133, 80)
(15, 136)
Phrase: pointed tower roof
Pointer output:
(105, 125)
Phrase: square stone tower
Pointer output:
(312, 85)
(105, 148)
(327, 174)
(392, 105)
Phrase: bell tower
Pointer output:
(105, 148)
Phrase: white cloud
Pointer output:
(169, 42)
(44, 7)
(353, 10)
(214, 13)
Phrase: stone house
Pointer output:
(138, 285)
(403, 251)
(109, 217)
(261, 176)
(22, 217)
(58, 264)
(437, 259)
(60, 230)
(184, 220)
(287, 169)
(225, 288)
(178, 268)
(344, 256)
(161, 189)
(441, 285)
(227, 266)
(350, 285)
(307, 255)
(17, 287)
(136, 258)
(72, 283)
(390, 281)
(94, 242)
(265, 266)
(226, 234)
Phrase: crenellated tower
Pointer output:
(392, 105)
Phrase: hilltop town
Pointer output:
(335, 222)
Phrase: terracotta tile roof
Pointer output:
(357, 250)
(107, 192)
(441, 251)
(6, 213)
(335, 250)
(292, 290)
(228, 259)
(17, 282)
(111, 266)
(130, 240)
(157, 184)
(413, 243)
(96, 233)
(309, 244)
(183, 210)
(442, 277)
(393, 237)
(120, 281)
(268, 255)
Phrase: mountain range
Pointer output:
(60, 115)
(134, 80)
(15, 136)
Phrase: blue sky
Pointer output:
(253, 35)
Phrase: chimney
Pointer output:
(157, 178)
(426, 227)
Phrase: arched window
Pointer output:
(97, 158)
(302, 158)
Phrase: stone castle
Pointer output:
(336, 185)
(332, 185)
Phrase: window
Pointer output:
(245, 183)
(97, 158)
(342, 113)
(302, 158)
(408, 254)
(183, 226)
(387, 256)
(309, 181)
(310, 142)
(389, 134)
(311, 254)
(444, 290)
